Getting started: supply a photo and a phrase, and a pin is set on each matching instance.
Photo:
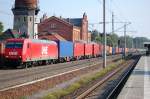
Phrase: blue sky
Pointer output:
(134, 11)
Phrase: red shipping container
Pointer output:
(96, 49)
(107, 50)
(117, 50)
(110, 50)
(78, 49)
(101, 49)
(127, 50)
(88, 49)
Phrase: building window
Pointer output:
(24, 19)
(53, 26)
(19, 19)
(30, 19)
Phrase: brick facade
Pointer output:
(84, 28)
(55, 25)
(70, 29)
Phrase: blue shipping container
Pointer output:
(65, 48)
(113, 51)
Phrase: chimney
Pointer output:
(43, 18)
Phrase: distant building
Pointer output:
(71, 29)
(25, 12)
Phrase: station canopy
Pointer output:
(146, 44)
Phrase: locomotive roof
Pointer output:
(34, 40)
(147, 43)
(43, 41)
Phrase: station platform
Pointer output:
(138, 84)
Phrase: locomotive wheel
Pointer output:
(25, 65)
(47, 62)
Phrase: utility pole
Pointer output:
(112, 22)
(132, 42)
(105, 41)
(125, 27)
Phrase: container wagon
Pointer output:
(113, 50)
(78, 50)
(110, 50)
(88, 50)
(117, 50)
(107, 50)
(96, 50)
(65, 50)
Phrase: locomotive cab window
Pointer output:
(18, 45)
(10, 45)
(14, 45)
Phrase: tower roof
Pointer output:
(31, 4)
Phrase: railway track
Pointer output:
(110, 86)
(14, 79)
(10, 78)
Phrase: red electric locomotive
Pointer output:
(26, 52)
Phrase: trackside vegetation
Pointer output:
(83, 81)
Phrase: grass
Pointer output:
(83, 81)
(23, 97)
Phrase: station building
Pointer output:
(70, 29)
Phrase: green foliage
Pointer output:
(83, 81)
(62, 92)
(129, 41)
(96, 36)
(138, 42)
(113, 39)
(1, 27)
(23, 97)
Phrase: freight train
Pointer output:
(31, 52)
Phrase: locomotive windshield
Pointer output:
(14, 45)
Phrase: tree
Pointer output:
(96, 37)
(1, 27)
(114, 39)
(129, 41)
(138, 42)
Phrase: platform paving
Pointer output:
(138, 84)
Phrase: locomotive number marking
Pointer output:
(44, 50)
(13, 53)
